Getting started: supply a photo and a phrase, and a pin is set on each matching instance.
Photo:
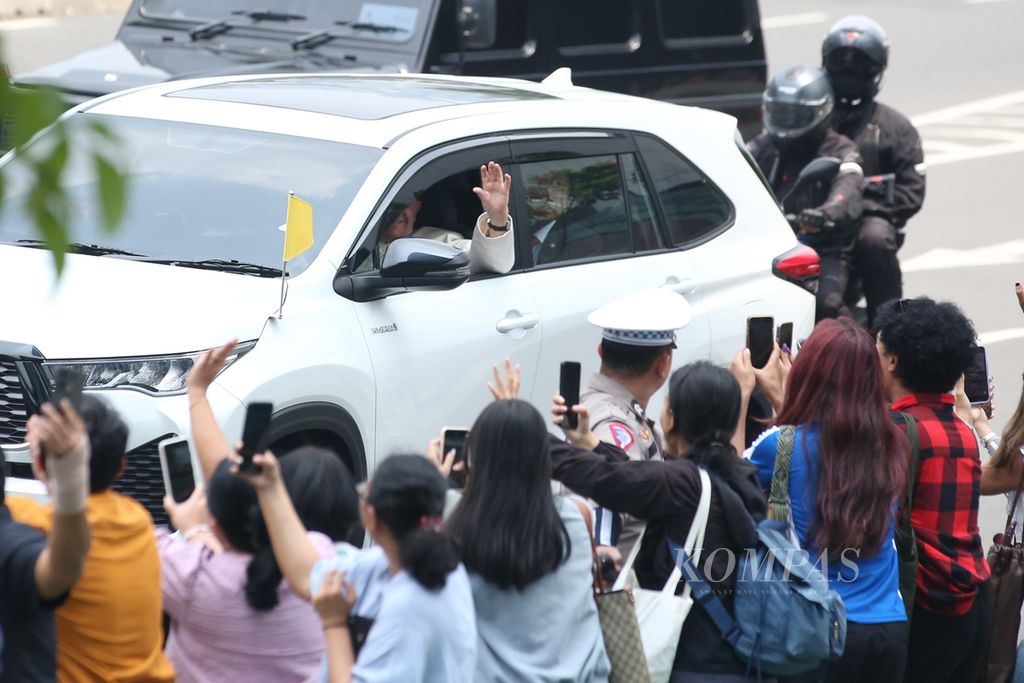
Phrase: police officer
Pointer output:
(855, 54)
(637, 339)
(797, 108)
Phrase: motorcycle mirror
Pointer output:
(822, 169)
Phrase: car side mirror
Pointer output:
(820, 170)
(478, 23)
(409, 264)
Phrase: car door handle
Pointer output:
(521, 321)
(678, 286)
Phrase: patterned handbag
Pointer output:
(619, 626)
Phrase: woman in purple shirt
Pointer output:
(232, 616)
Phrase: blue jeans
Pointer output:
(1018, 669)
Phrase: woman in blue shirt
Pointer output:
(847, 473)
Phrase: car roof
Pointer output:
(367, 109)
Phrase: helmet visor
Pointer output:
(852, 62)
(791, 120)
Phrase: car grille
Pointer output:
(13, 407)
(143, 481)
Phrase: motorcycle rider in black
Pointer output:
(798, 106)
(855, 54)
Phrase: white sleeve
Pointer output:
(492, 254)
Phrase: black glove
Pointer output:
(813, 218)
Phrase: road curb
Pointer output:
(14, 9)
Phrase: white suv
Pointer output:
(610, 194)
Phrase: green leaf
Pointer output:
(112, 189)
(41, 207)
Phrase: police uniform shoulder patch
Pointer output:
(623, 438)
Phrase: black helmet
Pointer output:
(798, 106)
(855, 54)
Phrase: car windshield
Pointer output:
(199, 192)
(347, 18)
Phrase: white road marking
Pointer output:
(985, 104)
(983, 128)
(23, 24)
(996, 336)
(942, 258)
(788, 20)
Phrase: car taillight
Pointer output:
(800, 265)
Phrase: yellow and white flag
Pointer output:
(298, 234)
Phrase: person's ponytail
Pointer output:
(263, 578)
(407, 494)
(429, 554)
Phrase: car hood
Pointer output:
(119, 66)
(104, 307)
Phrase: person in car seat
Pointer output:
(492, 247)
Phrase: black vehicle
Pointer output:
(707, 53)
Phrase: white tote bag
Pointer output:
(661, 613)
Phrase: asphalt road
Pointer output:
(955, 69)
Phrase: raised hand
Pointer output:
(207, 367)
(507, 387)
(334, 599)
(493, 192)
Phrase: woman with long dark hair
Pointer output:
(526, 550)
(847, 473)
(232, 616)
(699, 420)
(425, 629)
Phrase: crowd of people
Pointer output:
(495, 581)
(869, 455)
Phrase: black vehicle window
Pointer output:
(588, 208)
(702, 18)
(693, 206)
(512, 22)
(579, 22)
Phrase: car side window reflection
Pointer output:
(588, 208)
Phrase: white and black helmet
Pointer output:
(798, 105)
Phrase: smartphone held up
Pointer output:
(176, 467)
(569, 389)
(976, 379)
(760, 340)
(257, 424)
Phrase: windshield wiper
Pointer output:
(215, 28)
(225, 265)
(79, 248)
(318, 38)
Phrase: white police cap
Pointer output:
(649, 317)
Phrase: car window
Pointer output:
(702, 18)
(587, 208)
(437, 202)
(578, 24)
(199, 192)
(693, 206)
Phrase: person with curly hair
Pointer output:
(925, 347)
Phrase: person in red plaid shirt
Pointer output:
(925, 347)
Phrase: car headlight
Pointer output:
(153, 374)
